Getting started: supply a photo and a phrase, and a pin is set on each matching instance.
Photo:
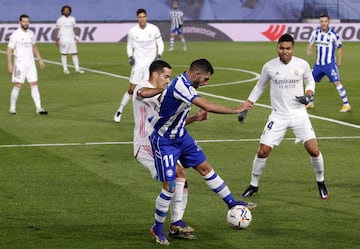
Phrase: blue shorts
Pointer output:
(330, 70)
(177, 31)
(168, 151)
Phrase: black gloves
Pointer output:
(303, 99)
(131, 61)
(242, 116)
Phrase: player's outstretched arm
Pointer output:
(242, 115)
(200, 115)
(216, 108)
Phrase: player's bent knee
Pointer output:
(203, 168)
(180, 172)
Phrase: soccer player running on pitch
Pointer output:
(22, 45)
(287, 76)
(145, 103)
(327, 41)
(177, 21)
(144, 45)
(67, 39)
(171, 142)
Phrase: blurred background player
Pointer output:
(144, 45)
(327, 41)
(177, 21)
(22, 45)
(287, 76)
(145, 103)
(67, 39)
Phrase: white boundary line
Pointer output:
(128, 143)
(269, 107)
(203, 93)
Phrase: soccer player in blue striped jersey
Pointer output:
(177, 21)
(171, 142)
(327, 42)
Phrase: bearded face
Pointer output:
(24, 23)
(66, 12)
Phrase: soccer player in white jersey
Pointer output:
(171, 142)
(22, 46)
(144, 45)
(177, 21)
(287, 76)
(327, 41)
(67, 39)
(146, 103)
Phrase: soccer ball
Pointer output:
(239, 217)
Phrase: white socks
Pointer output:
(318, 164)
(257, 170)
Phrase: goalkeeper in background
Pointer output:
(177, 20)
(287, 76)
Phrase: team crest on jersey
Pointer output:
(296, 72)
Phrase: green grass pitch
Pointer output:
(69, 179)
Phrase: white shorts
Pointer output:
(276, 128)
(24, 72)
(68, 47)
(145, 156)
(139, 73)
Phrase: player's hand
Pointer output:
(201, 115)
(242, 116)
(303, 99)
(41, 64)
(131, 61)
(245, 106)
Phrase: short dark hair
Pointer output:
(65, 7)
(158, 66)
(324, 15)
(139, 11)
(286, 38)
(23, 16)
(203, 65)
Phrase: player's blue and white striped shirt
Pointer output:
(326, 44)
(175, 107)
(176, 18)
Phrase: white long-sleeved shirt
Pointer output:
(143, 108)
(144, 44)
(286, 82)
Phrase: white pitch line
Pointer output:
(199, 141)
(269, 107)
(217, 96)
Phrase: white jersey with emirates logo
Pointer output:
(286, 82)
(22, 42)
(144, 44)
(66, 28)
(143, 108)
